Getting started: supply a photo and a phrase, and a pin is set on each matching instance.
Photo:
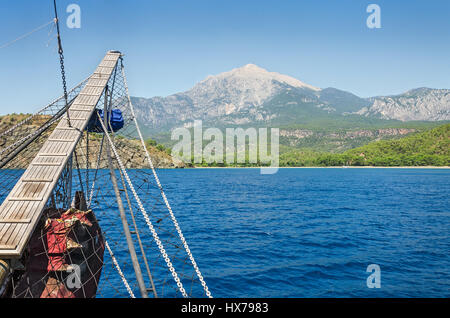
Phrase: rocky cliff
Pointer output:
(417, 104)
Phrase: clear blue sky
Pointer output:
(170, 45)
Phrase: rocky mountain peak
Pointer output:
(254, 73)
(251, 94)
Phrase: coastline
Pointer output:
(331, 167)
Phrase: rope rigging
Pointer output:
(172, 216)
(23, 36)
(144, 213)
(156, 231)
(119, 270)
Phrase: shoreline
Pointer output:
(309, 167)
(331, 167)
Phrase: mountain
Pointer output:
(253, 96)
(417, 104)
(238, 91)
(343, 102)
(245, 95)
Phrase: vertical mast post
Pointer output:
(126, 229)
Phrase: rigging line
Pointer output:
(42, 109)
(61, 60)
(126, 229)
(87, 162)
(144, 256)
(144, 213)
(96, 172)
(79, 172)
(49, 35)
(122, 276)
(52, 28)
(49, 40)
(30, 138)
(166, 201)
(38, 131)
(27, 34)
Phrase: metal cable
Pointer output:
(61, 60)
(144, 213)
(122, 276)
(172, 216)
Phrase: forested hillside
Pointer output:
(429, 148)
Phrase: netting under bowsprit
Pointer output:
(78, 248)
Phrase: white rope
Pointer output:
(122, 276)
(40, 111)
(96, 172)
(172, 216)
(144, 213)
(27, 34)
(40, 129)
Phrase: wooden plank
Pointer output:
(52, 154)
(20, 229)
(11, 208)
(78, 114)
(83, 119)
(10, 205)
(61, 140)
(16, 207)
(28, 220)
(37, 180)
(66, 128)
(46, 164)
(7, 247)
(24, 199)
(22, 209)
(78, 109)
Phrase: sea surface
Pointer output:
(313, 232)
(305, 232)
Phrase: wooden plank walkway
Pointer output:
(22, 208)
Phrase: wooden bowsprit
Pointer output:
(42, 239)
(23, 207)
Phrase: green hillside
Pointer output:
(429, 148)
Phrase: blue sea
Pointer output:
(313, 232)
(303, 232)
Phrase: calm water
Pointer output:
(310, 232)
(313, 232)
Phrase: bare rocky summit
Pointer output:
(252, 95)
